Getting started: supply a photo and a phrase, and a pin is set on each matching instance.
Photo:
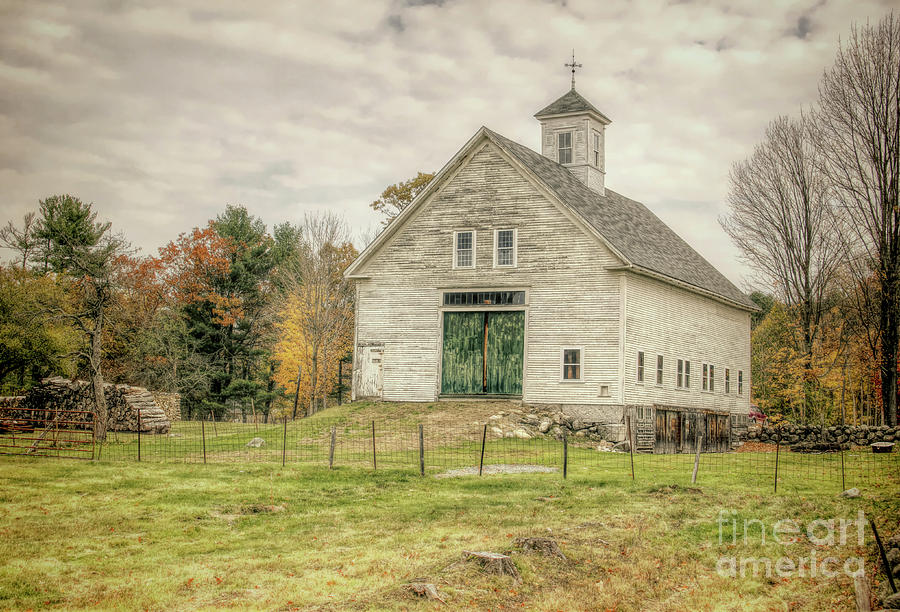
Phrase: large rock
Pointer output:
(256, 443)
(622, 447)
(545, 425)
(892, 602)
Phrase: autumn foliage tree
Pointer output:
(220, 280)
(395, 198)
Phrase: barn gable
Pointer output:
(483, 140)
(639, 239)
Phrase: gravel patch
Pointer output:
(500, 468)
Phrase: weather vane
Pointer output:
(573, 66)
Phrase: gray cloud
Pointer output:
(162, 114)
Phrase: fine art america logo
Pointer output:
(806, 545)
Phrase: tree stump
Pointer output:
(545, 546)
(493, 563)
(424, 589)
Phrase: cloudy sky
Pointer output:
(162, 114)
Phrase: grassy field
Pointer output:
(116, 535)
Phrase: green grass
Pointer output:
(122, 535)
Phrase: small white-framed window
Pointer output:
(727, 381)
(640, 366)
(505, 251)
(464, 249)
(709, 377)
(659, 369)
(564, 147)
(740, 382)
(683, 375)
(572, 366)
(596, 149)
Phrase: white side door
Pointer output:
(370, 374)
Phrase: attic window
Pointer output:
(464, 249)
(564, 147)
(505, 255)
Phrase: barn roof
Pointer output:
(570, 102)
(627, 225)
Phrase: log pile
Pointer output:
(75, 398)
(170, 404)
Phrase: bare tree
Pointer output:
(22, 240)
(781, 219)
(858, 122)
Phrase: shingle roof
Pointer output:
(571, 102)
(628, 226)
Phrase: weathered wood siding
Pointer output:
(571, 300)
(679, 324)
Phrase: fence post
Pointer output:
(777, 449)
(628, 432)
(843, 478)
(284, 443)
(331, 450)
(884, 561)
(94, 437)
(297, 392)
(483, 439)
(565, 455)
(421, 449)
(697, 460)
(374, 453)
(139, 434)
(203, 436)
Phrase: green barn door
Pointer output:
(462, 369)
(505, 350)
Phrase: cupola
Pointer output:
(573, 134)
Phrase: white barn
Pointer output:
(518, 274)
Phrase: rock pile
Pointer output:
(524, 425)
(122, 401)
(892, 550)
(811, 435)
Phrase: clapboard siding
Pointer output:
(572, 299)
(679, 324)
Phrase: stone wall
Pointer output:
(841, 434)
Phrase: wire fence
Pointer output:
(435, 448)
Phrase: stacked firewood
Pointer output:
(60, 399)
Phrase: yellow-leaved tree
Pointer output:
(315, 321)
